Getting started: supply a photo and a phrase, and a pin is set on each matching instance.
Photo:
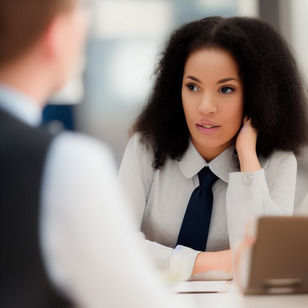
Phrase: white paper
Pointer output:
(203, 286)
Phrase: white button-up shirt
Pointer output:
(159, 198)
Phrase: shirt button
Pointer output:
(248, 179)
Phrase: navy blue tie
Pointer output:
(196, 222)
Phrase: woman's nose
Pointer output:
(207, 104)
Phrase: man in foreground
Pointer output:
(65, 234)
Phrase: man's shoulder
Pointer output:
(80, 147)
(17, 135)
(75, 158)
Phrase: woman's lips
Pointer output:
(207, 128)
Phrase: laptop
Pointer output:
(277, 263)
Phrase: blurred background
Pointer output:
(112, 82)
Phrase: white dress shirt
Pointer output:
(91, 250)
(159, 198)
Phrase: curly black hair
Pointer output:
(274, 94)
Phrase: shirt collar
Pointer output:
(222, 165)
(20, 106)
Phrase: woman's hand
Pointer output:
(218, 260)
(246, 143)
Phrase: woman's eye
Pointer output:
(193, 88)
(226, 90)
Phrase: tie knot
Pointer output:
(206, 177)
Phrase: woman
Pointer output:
(227, 96)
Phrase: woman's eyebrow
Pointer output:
(226, 80)
(193, 78)
(218, 82)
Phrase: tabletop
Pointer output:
(229, 296)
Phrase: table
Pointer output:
(232, 298)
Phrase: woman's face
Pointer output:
(213, 102)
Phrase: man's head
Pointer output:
(23, 21)
(49, 33)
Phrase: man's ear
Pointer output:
(53, 36)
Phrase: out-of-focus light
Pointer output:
(248, 8)
(132, 65)
(131, 19)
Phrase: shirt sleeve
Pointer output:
(136, 176)
(269, 191)
(90, 246)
